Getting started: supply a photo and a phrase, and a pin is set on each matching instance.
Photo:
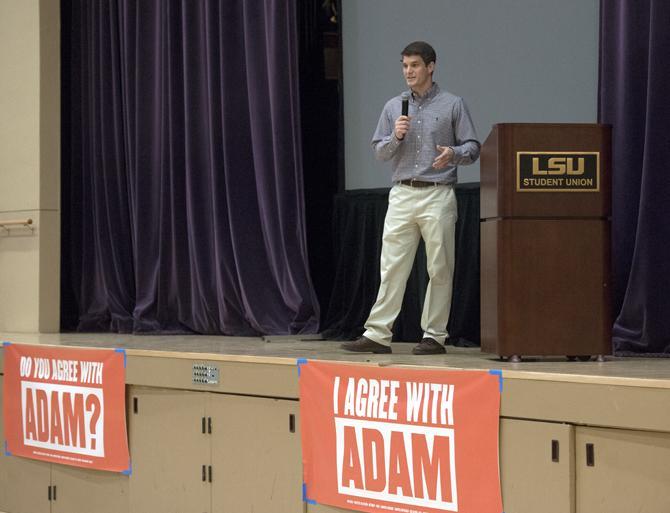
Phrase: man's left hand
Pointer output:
(444, 158)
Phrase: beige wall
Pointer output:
(30, 164)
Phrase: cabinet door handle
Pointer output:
(555, 451)
(204, 473)
(54, 492)
(210, 473)
(203, 426)
(49, 492)
(590, 456)
(291, 423)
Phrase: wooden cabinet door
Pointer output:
(85, 491)
(168, 451)
(24, 483)
(620, 471)
(256, 455)
(537, 466)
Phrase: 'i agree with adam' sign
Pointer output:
(409, 441)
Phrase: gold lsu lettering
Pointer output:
(559, 166)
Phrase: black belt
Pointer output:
(418, 183)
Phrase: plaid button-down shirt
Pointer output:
(437, 118)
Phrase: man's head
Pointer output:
(418, 63)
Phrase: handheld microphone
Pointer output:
(405, 103)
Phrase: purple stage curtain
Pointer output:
(633, 97)
(183, 206)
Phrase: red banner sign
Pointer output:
(66, 406)
(400, 440)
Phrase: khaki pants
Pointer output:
(428, 212)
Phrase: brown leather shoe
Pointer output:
(429, 346)
(365, 345)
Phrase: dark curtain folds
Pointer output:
(320, 122)
(634, 77)
(183, 207)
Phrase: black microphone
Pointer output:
(405, 103)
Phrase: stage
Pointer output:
(286, 349)
(573, 434)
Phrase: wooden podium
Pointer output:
(545, 240)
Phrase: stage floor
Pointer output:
(649, 371)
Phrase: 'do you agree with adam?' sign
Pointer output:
(400, 440)
(66, 405)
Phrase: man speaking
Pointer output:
(425, 146)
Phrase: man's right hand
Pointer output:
(401, 127)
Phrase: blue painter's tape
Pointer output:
(125, 358)
(498, 372)
(7, 453)
(5, 343)
(304, 494)
(129, 470)
(301, 361)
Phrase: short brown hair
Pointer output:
(422, 49)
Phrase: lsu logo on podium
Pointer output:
(558, 171)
